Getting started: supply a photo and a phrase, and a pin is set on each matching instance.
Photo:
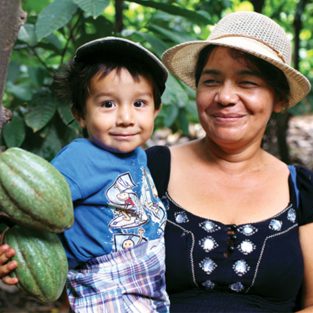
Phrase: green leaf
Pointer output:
(27, 34)
(42, 110)
(92, 8)
(175, 93)
(14, 132)
(168, 115)
(52, 143)
(195, 16)
(21, 91)
(171, 35)
(67, 116)
(54, 16)
(157, 45)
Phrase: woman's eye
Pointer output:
(210, 82)
(139, 103)
(248, 83)
(107, 104)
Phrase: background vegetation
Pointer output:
(55, 28)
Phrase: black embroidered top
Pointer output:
(213, 267)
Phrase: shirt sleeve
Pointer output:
(305, 187)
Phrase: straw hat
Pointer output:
(250, 32)
(110, 47)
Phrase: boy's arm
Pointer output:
(7, 266)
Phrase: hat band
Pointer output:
(278, 53)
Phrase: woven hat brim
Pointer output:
(181, 61)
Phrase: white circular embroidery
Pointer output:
(246, 246)
(181, 217)
(275, 225)
(209, 226)
(208, 243)
(241, 267)
(208, 284)
(247, 230)
(291, 216)
(237, 287)
(208, 265)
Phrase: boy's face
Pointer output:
(120, 111)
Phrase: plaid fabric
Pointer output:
(131, 280)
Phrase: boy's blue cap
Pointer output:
(101, 48)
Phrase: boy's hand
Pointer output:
(6, 266)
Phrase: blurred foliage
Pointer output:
(55, 28)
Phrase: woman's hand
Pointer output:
(7, 266)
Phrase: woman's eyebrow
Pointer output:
(210, 72)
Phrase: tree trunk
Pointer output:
(283, 118)
(119, 16)
(11, 18)
(258, 5)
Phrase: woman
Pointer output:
(239, 220)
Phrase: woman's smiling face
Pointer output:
(234, 101)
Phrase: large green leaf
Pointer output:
(199, 17)
(54, 16)
(14, 132)
(43, 107)
(92, 8)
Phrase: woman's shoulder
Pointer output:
(302, 179)
(159, 164)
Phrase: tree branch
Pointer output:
(12, 17)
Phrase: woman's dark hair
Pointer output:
(72, 83)
(271, 74)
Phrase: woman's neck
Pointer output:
(233, 160)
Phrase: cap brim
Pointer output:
(120, 48)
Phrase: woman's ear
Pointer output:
(280, 106)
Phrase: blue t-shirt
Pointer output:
(115, 201)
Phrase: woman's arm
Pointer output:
(6, 266)
(306, 235)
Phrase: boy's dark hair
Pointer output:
(72, 83)
(272, 75)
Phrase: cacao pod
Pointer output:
(33, 192)
(42, 264)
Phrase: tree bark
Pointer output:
(258, 5)
(119, 16)
(11, 18)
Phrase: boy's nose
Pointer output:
(125, 116)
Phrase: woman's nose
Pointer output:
(227, 94)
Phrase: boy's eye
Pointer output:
(139, 103)
(108, 104)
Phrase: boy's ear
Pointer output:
(156, 111)
(80, 120)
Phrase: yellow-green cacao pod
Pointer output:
(42, 264)
(33, 193)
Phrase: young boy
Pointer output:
(115, 248)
